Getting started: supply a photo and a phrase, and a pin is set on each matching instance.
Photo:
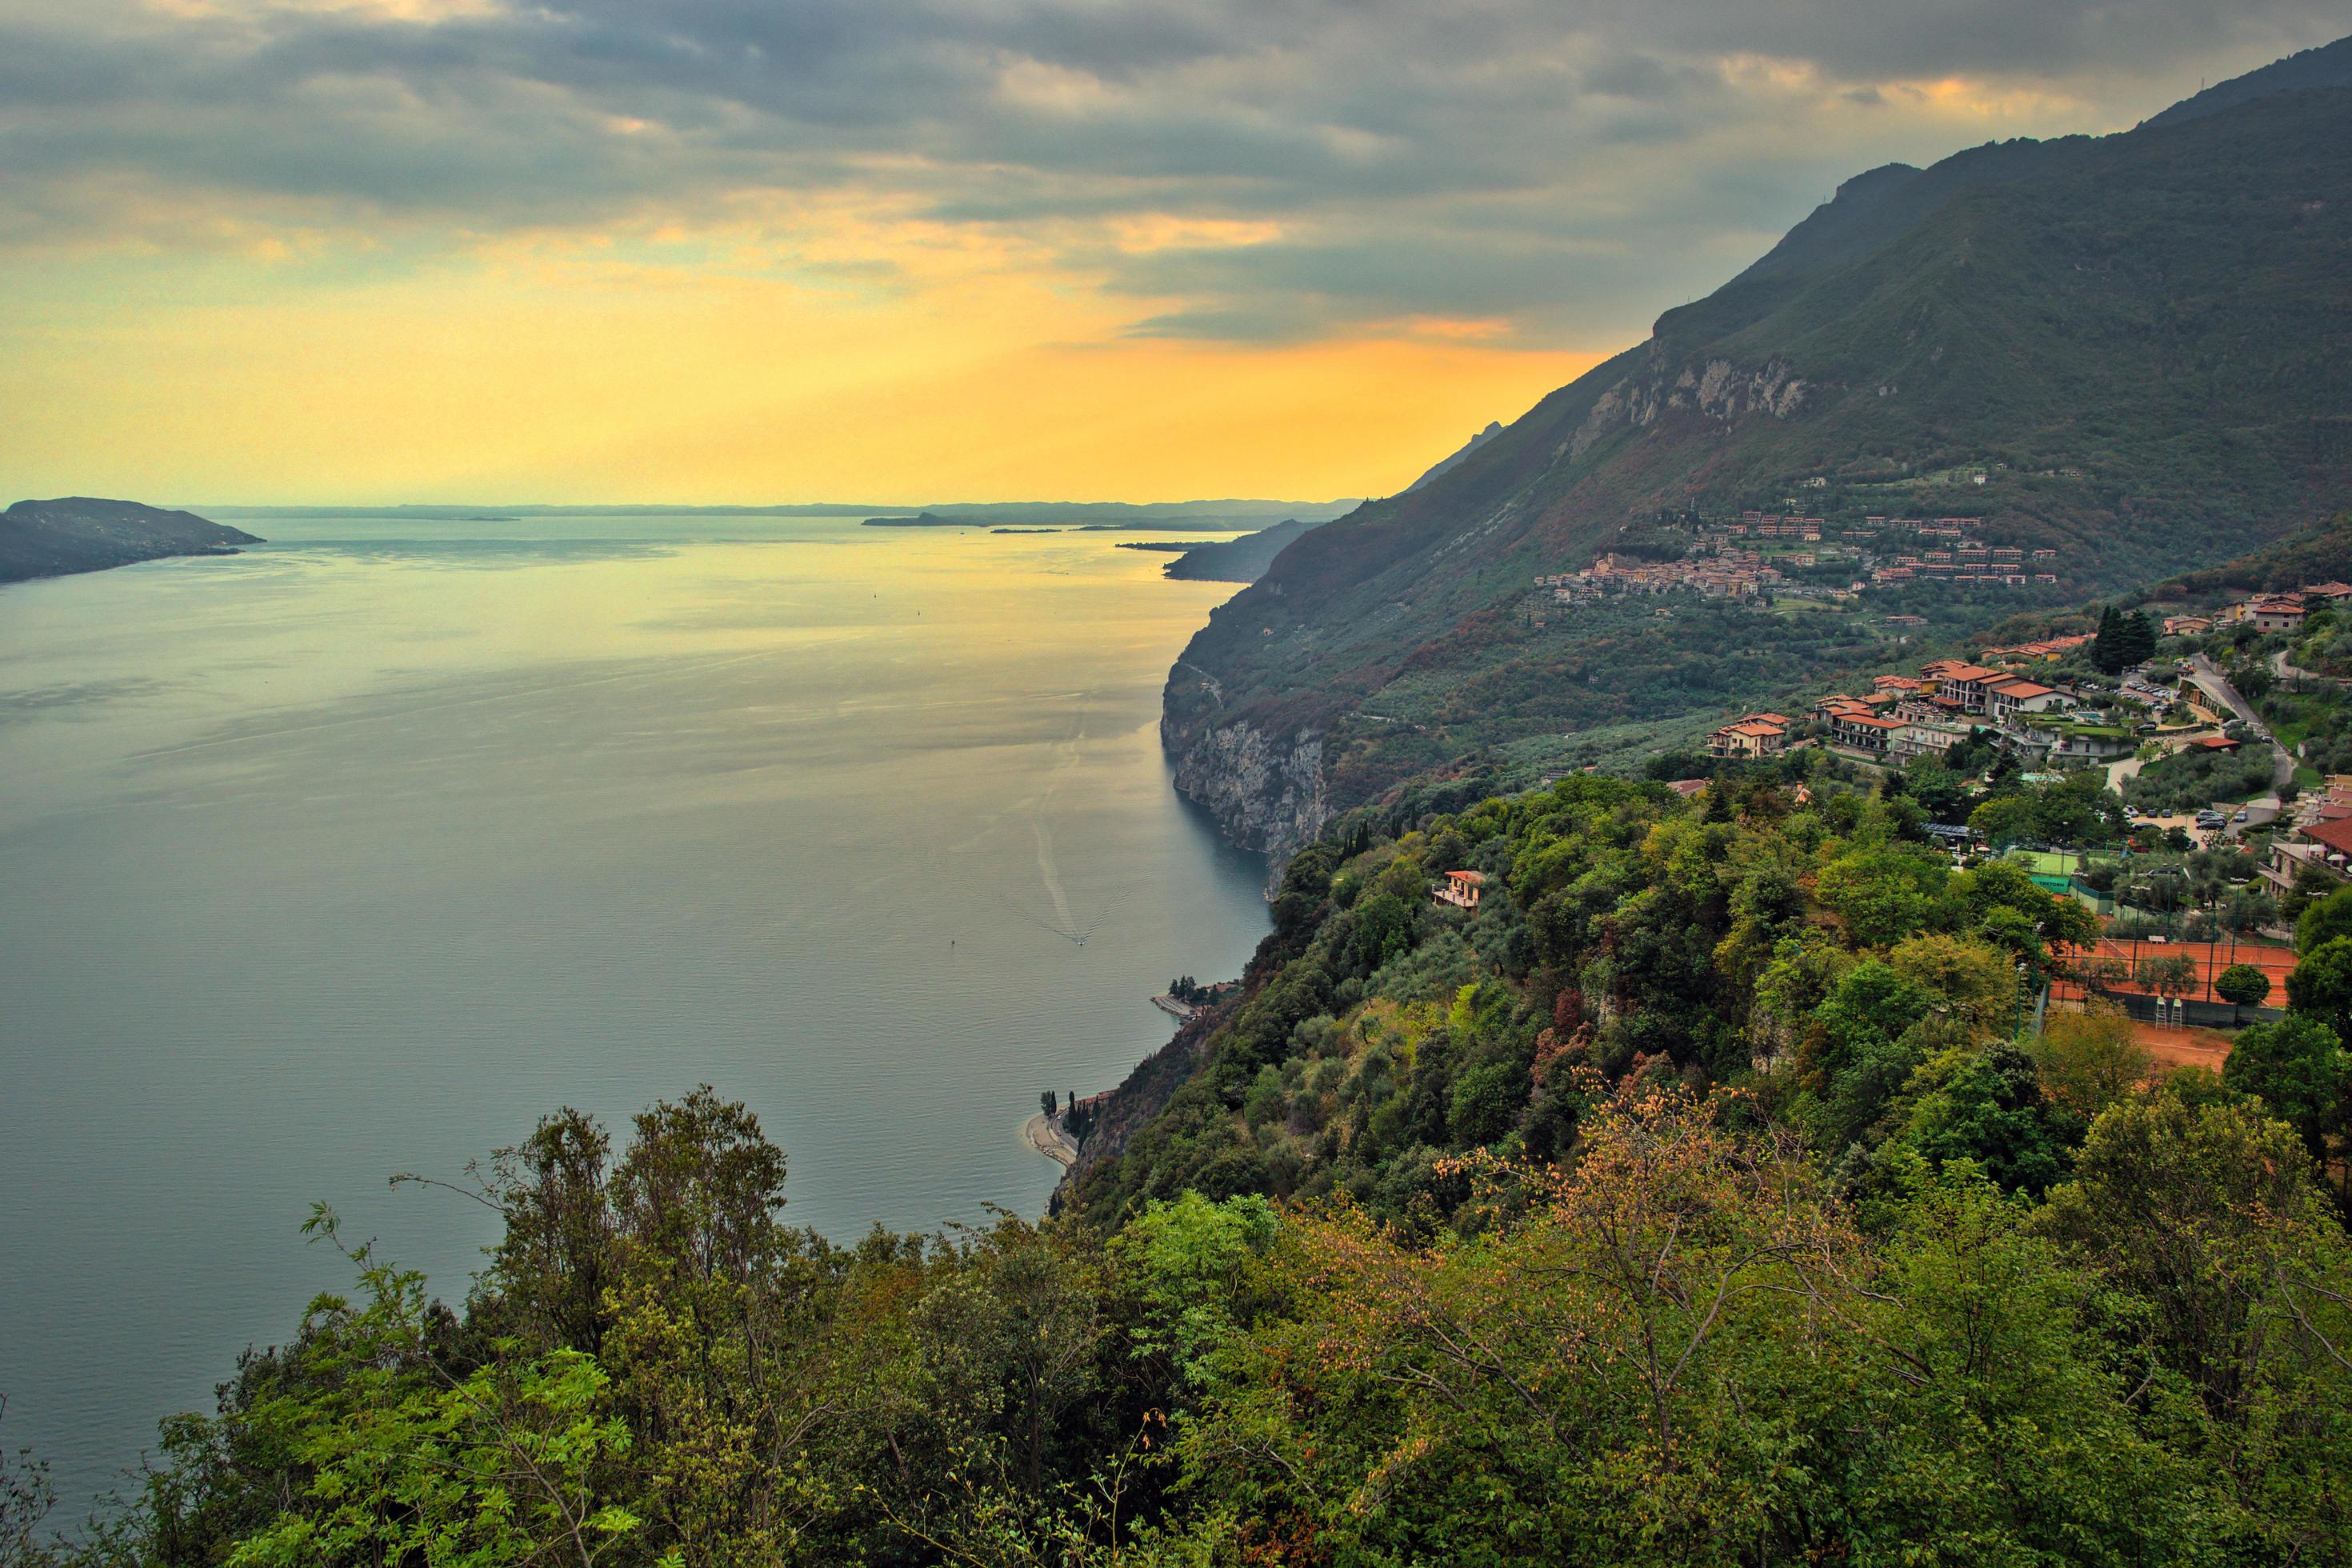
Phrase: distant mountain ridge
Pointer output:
(2143, 342)
(1253, 511)
(84, 534)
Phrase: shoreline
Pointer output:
(1047, 1137)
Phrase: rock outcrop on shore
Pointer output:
(1265, 790)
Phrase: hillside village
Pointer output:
(2208, 784)
(1763, 555)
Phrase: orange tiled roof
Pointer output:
(2336, 835)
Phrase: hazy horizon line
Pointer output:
(1211, 506)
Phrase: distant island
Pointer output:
(83, 533)
(1079, 519)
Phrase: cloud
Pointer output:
(1295, 168)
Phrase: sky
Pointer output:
(351, 251)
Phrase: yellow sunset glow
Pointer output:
(339, 251)
(562, 371)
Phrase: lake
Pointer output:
(358, 852)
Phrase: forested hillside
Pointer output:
(2142, 343)
(1705, 1195)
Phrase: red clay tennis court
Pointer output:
(2276, 960)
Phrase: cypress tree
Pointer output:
(2106, 651)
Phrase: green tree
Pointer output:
(2175, 974)
(2299, 1068)
(1881, 893)
(1993, 1111)
(1194, 1265)
(410, 1459)
(2208, 1221)
(2090, 1059)
(2241, 985)
(2108, 645)
(2310, 885)
(1940, 789)
(2321, 984)
(2323, 919)
(1977, 981)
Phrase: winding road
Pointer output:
(2214, 684)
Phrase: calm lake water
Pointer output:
(358, 852)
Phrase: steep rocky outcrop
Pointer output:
(1265, 791)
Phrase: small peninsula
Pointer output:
(1242, 559)
(83, 533)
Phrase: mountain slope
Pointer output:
(2330, 65)
(81, 534)
(1452, 460)
(2144, 340)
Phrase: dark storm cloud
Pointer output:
(1512, 159)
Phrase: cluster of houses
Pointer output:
(1912, 550)
(1998, 564)
(1966, 559)
(1720, 578)
(1903, 716)
(2264, 612)
(1761, 525)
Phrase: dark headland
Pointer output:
(82, 533)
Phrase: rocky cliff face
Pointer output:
(1718, 389)
(1265, 791)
